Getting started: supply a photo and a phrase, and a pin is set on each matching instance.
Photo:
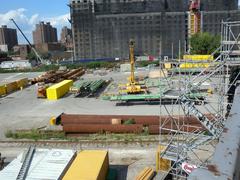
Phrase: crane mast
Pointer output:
(133, 86)
(132, 61)
(39, 59)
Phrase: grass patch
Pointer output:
(35, 135)
(129, 121)
(59, 135)
(123, 137)
(44, 68)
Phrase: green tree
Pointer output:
(46, 55)
(31, 56)
(204, 43)
(3, 54)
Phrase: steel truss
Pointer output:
(188, 141)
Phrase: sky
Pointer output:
(27, 13)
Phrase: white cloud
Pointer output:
(61, 20)
(18, 15)
(27, 23)
(33, 20)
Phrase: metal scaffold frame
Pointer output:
(184, 141)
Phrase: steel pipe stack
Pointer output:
(85, 124)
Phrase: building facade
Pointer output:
(22, 50)
(8, 37)
(103, 28)
(44, 33)
(66, 38)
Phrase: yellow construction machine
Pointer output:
(133, 86)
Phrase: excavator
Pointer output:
(133, 86)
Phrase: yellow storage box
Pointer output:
(161, 163)
(198, 57)
(22, 83)
(58, 90)
(89, 165)
(167, 65)
(10, 87)
(3, 90)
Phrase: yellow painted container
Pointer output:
(22, 83)
(10, 87)
(89, 165)
(194, 65)
(167, 65)
(161, 163)
(3, 90)
(198, 57)
(58, 90)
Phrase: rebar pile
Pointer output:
(87, 88)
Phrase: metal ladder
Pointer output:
(190, 107)
(26, 163)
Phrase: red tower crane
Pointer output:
(194, 17)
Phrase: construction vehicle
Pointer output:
(133, 86)
(39, 59)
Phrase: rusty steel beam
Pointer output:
(107, 119)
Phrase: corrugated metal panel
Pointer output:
(46, 164)
(89, 164)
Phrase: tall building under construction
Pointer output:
(102, 28)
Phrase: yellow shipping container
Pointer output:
(198, 57)
(3, 90)
(10, 87)
(22, 83)
(89, 165)
(58, 90)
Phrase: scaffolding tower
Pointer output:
(189, 142)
